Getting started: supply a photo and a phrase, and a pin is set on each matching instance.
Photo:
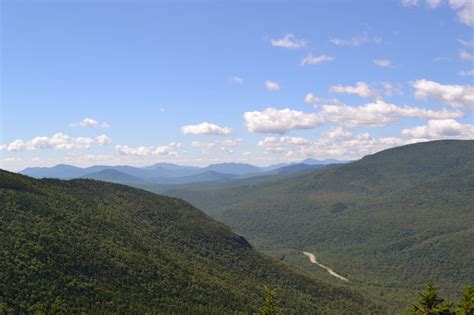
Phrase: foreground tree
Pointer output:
(466, 306)
(269, 302)
(430, 303)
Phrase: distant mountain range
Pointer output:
(167, 173)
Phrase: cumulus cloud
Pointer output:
(314, 100)
(341, 144)
(466, 56)
(361, 89)
(277, 145)
(390, 90)
(89, 122)
(272, 86)
(170, 150)
(103, 139)
(379, 114)
(271, 144)
(383, 63)
(441, 129)
(207, 146)
(464, 10)
(458, 96)
(314, 60)
(205, 128)
(272, 120)
(58, 141)
(288, 41)
(355, 41)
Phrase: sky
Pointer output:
(201, 82)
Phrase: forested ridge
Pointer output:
(95, 247)
(389, 222)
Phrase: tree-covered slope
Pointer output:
(94, 247)
(389, 222)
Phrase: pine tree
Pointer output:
(269, 303)
(466, 306)
(430, 303)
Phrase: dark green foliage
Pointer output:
(466, 306)
(84, 246)
(388, 222)
(269, 306)
(430, 303)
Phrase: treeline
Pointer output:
(429, 303)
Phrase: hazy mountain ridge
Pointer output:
(165, 173)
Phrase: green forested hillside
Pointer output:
(86, 246)
(388, 222)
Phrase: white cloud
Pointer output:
(271, 144)
(337, 134)
(295, 140)
(433, 3)
(207, 146)
(409, 3)
(277, 145)
(89, 122)
(379, 114)
(289, 41)
(391, 90)
(272, 120)
(205, 128)
(236, 80)
(464, 9)
(458, 96)
(103, 139)
(383, 63)
(312, 99)
(170, 150)
(466, 73)
(341, 144)
(468, 43)
(162, 109)
(58, 141)
(361, 89)
(272, 86)
(441, 129)
(355, 41)
(466, 56)
(313, 60)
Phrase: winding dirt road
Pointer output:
(313, 260)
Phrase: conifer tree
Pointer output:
(269, 302)
(430, 303)
(466, 306)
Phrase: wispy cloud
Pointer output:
(383, 63)
(272, 86)
(314, 60)
(356, 41)
(89, 122)
(288, 41)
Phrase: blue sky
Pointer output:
(121, 82)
